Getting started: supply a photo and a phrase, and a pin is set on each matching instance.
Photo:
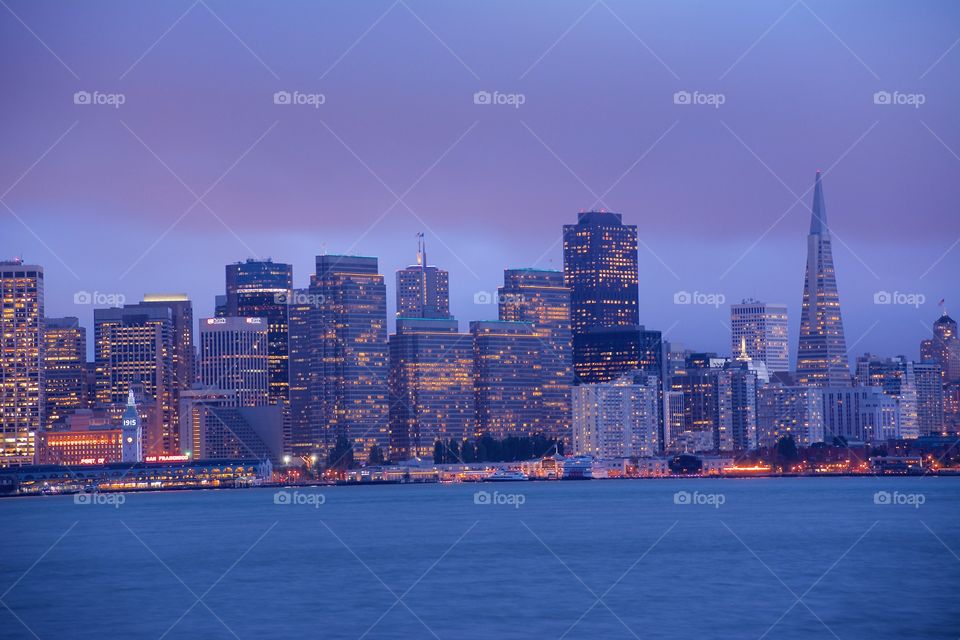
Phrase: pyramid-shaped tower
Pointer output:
(822, 350)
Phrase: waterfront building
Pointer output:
(228, 433)
(65, 369)
(762, 327)
(21, 361)
(617, 419)
(507, 378)
(262, 289)
(859, 414)
(423, 291)
(821, 351)
(600, 268)
(131, 430)
(234, 355)
(540, 297)
(80, 448)
(134, 345)
(431, 386)
(349, 355)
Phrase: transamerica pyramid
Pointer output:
(822, 350)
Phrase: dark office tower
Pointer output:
(181, 313)
(21, 361)
(134, 346)
(431, 386)
(540, 297)
(261, 289)
(65, 368)
(943, 348)
(304, 432)
(423, 291)
(822, 350)
(600, 268)
(349, 354)
(507, 378)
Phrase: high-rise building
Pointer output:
(431, 386)
(234, 356)
(304, 432)
(617, 419)
(217, 432)
(943, 348)
(423, 291)
(917, 387)
(540, 297)
(349, 361)
(719, 405)
(262, 289)
(822, 349)
(600, 268)
(181, 315)
(65, 368)
(134, 345)
(507, 378)
(762, 326)
(21, 361)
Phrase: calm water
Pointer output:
(466, 570)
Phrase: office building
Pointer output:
(21, 361)
(943, 348)
(230, 433)
(65, 368)
(859, 414)
(822, 349)
(762, 327)
(262, 289)
(789, 410)
(423, 291)
(181, 317)
(507, 378)
(431, 386)
(234, 356)
(541, 298)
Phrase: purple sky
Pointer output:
(713, 190)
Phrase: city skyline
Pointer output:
(472, 167)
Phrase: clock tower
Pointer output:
(132, 450)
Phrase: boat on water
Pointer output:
(503, 475)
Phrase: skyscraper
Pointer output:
(617, 419)
(181, 315)
(21, 361)
(507, 378)
(134, 346)
(65, 368)
(943, 348)
(262, 289)
(600, 268)
(763, 326)
(423, 291)
(822, 349)
(540, 297)
(349, 359)
(431, 386)
(233, 357)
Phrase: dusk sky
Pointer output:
(199, 167)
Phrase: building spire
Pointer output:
(818, 219)
(131, 401)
